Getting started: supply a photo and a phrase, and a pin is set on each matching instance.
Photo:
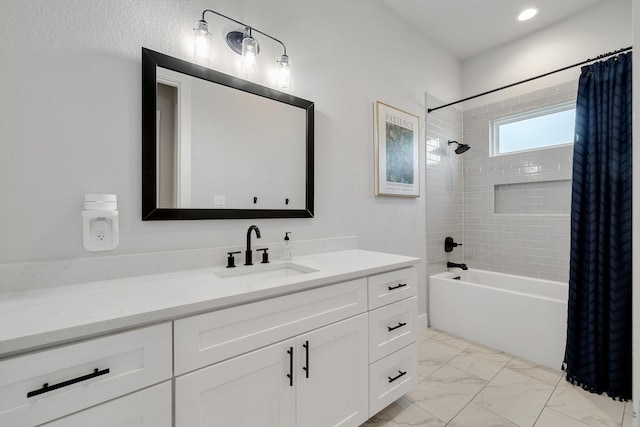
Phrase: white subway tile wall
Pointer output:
(444, 194)
(525, 240)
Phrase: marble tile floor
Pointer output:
(465, 384)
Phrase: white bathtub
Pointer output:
(523, 316)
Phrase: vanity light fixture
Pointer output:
(284, 71)
(249, 51)
(242, 43)
(528, 13)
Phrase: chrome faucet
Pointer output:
(248, 258)
(454, 265)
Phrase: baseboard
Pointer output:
(423, 321)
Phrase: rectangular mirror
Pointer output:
(218, 147)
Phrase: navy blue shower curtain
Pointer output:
(598, 351)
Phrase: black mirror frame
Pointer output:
(150, 211)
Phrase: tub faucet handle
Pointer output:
(449, 244)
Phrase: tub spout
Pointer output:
(455, 265)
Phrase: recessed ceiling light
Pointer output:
(527, 14)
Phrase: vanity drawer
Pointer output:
(392, 377)
(391, 287)
(151, 407)
(82, 375)
(212, 337)
(392, 327)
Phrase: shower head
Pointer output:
(461, 147)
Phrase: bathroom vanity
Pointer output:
(323, 340)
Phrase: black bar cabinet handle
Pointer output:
(290, 374)
(306, 367)
(47, 388)
(400, 285)
(400, 325)
(398, 376)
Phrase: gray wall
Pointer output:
(445, 197)
(461, 192)
(528, 244)
(71, 122)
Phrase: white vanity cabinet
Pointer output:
(315, 379)
(393, 352)
(332, 382)
(330, 348)
(330, 356)
(316, 375)
(150, 407)
(209, 338)
(248, 390)
(42, 386)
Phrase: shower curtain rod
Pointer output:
(605, 55)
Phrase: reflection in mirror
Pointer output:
(233, 146)
(215, 146)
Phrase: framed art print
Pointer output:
(397, 170)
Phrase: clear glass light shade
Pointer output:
(249, 53)
(202, 50)
(284, 72)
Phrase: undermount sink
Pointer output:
(264, 272)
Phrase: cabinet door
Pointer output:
(246, 391)
(146, 408)
(332, 381)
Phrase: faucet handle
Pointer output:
(231, 261)
(265, 255)
(449, 244)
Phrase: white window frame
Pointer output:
(544, 111)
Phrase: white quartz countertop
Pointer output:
(39, 318)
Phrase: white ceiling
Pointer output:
(466, 28)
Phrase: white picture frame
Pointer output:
(397, 165)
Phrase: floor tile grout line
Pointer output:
(451, 366)
(479, 391)
(492, 378)
(525, 373)
(425, 411)
(485, 386)
(547, 402)
(568, 415)
(512, 357)
(444, 363)
(565, 415)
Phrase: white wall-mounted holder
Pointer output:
(100, 222)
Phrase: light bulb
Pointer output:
(202, 41)
(284, 72)
(249, 52)
(527, 14)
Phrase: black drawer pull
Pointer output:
(400, 285)
(306, 367)
(401, 374)
(290, 374)
(400, 325)
(47, 388)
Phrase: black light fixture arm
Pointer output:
(246, 26)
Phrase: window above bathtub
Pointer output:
(542, 128)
